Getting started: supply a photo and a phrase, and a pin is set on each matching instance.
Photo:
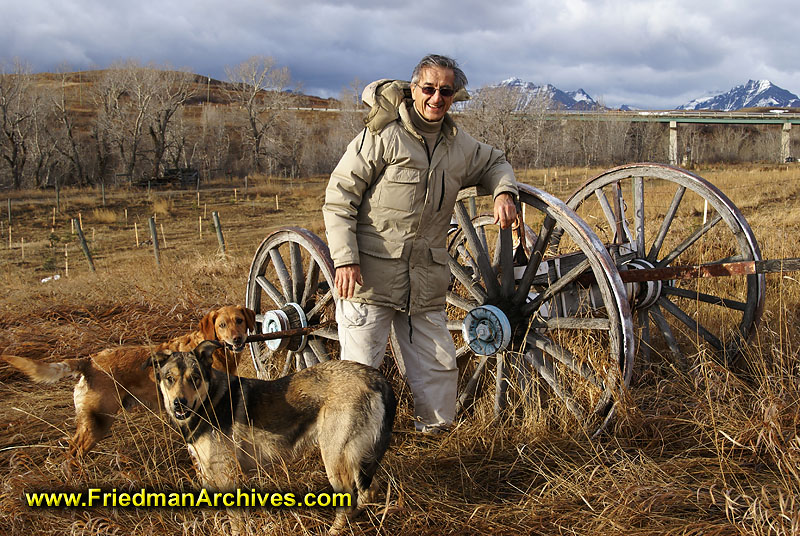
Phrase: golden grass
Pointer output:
(102, 215)
(701, 451)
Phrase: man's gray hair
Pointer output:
(435, 60)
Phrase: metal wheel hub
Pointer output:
(646, 293)
(290, 316)
(486, 330)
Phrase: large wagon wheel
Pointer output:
(655, 216)
(291, 286)
(561, 322)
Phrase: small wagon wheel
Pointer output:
(515, 306)
(291, 286)
(655, 216)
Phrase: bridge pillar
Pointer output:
(786, 141)
(673, 143)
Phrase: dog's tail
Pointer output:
(42, 372)
(369, 464)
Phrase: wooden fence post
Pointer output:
(218, 227)
(84, 245)
(155, 240)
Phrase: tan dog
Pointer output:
(232, 425)
(113, 379)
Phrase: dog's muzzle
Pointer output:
(237, 345)
(181, 409)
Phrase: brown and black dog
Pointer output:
(233, 425)
(113, 379)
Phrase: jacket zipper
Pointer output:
(441, 197)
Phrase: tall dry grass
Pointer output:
(701, 451)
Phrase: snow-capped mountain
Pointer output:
(557, 99)
(755, 93)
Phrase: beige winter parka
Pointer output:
(388, 206)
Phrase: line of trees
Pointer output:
(131, 121)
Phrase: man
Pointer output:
(388, 207)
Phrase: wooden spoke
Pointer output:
(638, 214)
(462, 303)
(311, 283)
(273, 293)
(565, 357)
(321, 303)
(500, 384)
(607, 211)
(535, 260)
(318, 347)
(666, 332)
(287, 365)
(643, 328)
(691, 323)
(665, 225)
(309, 357)
(296, 267)
(545, 368)
(621, 230)
(283, 274)
(468, 282)
(688, 242)
(327, 333)
(570, 322)
(706, 298)
(469, 390)
(506, 246)
(481, 257)
(556, 287)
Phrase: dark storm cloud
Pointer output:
(648, 53)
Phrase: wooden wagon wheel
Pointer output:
(291, 286)
(654, 216)
(529, 318)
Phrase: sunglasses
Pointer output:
(443, 91)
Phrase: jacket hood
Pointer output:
(385, 96)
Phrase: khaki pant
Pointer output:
(429, 356)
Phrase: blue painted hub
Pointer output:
(486, 330)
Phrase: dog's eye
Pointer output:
(169, 379)
(196, 378)
(239, 320)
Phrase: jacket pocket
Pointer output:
(399, 188)
(438, 275)
(378, 247)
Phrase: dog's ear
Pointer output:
(249, 318)
(156, 360)
(205, 352)
(207, 328)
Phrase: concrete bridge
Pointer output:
(674, 117)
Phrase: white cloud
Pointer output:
(649, 53)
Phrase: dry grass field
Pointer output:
(705, 451)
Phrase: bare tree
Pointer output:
(45, 137)
(17, 105)
(214, 144)
(67, 140)
(505, 118)
(259, 90)
(124, 96)
(170, 91)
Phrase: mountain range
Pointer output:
(558, 99)
(753, 94)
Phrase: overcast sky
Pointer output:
(646, 54)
